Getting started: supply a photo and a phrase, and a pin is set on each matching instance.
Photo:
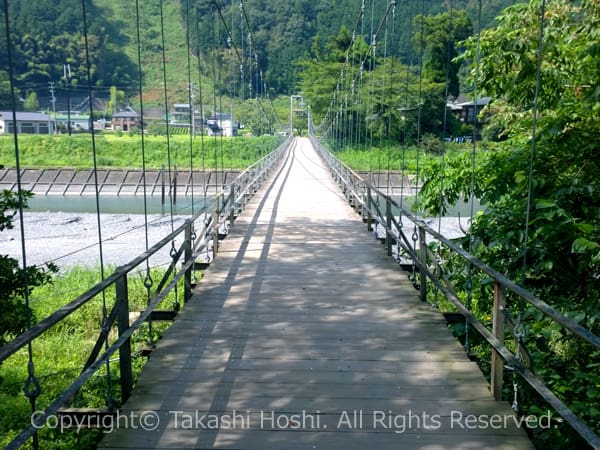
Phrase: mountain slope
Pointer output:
(48, 34)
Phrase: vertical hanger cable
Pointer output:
(31, 388)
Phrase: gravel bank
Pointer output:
(69, 239)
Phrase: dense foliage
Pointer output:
(380, 93)
(284, 31)
(553, 180)
(47, 35)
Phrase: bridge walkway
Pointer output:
(303, 334)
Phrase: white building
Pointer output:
(79, 122)
(221, 124)
(181, 115)
(27, 122)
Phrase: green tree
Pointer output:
(5, 95)
(116, 100)
(437, 38)
(31, 102)
(13, 311)
(562, 262)
(440, 35)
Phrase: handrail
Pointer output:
(226, 206)
(360, 191)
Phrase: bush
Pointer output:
(15, 282)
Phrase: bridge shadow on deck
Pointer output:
(304, 334)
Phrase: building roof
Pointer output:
(220, 116)
(483, 101)
(126, 115)
(31, 116)
(73, 116)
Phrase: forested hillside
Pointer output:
(272, 35)
(285, 31)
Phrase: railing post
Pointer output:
(369, 217)
(388, 226)
(232, 189)
(423, 259)
(497, 374)
(187, 290)
(122, 326)
(215, 220)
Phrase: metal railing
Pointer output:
(200, 233)
(377, 207)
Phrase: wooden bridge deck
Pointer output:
(303, 334)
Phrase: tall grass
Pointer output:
(60, 353)
(392, 157)
(125, 152)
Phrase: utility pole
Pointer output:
(67, 74)
(192, 112)
(53, 101)
(292, 98)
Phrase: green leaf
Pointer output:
(520, 177)
(582, 245)
(544, 204)
(585, 227)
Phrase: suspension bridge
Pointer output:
(303, 334)
(300, 293)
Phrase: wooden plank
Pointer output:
(326, 439)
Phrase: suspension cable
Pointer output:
(166, 100)
(172, 169)
(444, 136)
(148, 277)
(415, 236)
(202, 112)
(141, 106)
(519, 330)
(31, 388)
(203, 149)
(389, 121)
(419, 102)
(469, 281)
(109, 398)
(408, 62)
(369, 130)
(533, 139)
(191, 98)
(382, 106)
(232, 88)
(445, 115)
(215, 33)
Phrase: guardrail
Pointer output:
(200, 233)
(369, 200)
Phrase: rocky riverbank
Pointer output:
(69, 239)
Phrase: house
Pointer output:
(180, 116)
(180, 113)
(79, 122)
(126, 120)
(27, 122)
(221, 124)
(468, 111)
